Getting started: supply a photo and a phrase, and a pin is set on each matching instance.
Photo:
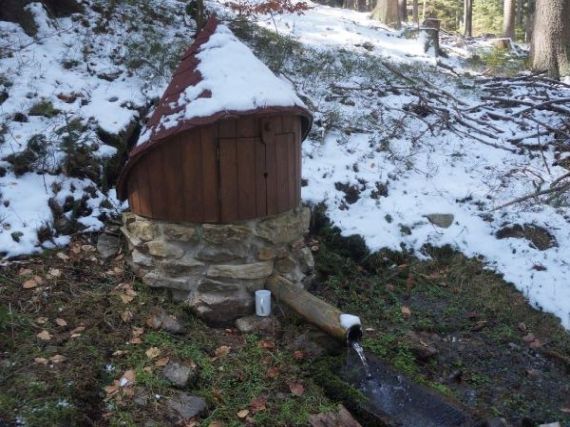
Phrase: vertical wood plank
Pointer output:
(134, 192)
(272, 178)
(292, 168)
(192, 193)
(145, 207)
(245, 154)
(228, 180)
(210, 174)
(260, 179)
(173, 180)
(283, 174)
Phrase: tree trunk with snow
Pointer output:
(509, 7)
(387, 12)
(468, 17)
(403, 8)
(550, 44)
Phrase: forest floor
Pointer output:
(78, 345)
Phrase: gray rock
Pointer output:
(161, 249)
(108, 245)
(181, 233)
(285, 228)
(184, 405)
(306, 260)
(440, 220)
(141, 259)
(185, 265)
(255, 323)
(139, 228)
(257, 270)
(224, 234)
(180, 374)
(155, 279)
(285, 265)
(160, 319)
(220, 303)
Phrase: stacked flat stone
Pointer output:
(216, 268)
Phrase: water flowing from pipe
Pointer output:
(360, 351)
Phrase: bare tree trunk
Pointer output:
(403, 9)
(387, 12)
(415, 14)
(519, 21)
(550, 44)
(529, 20)
(468, 17)
(424, 10)
(509, 7)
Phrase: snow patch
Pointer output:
(348, 321)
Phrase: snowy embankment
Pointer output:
(392, 169)
(384, 151)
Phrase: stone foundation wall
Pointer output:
(216, 268)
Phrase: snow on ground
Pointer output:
(445, 173)
(365, 139)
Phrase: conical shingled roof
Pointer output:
(218, 78)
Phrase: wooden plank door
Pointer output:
(243, 187)
(283, 185)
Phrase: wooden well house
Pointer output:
(223, 144)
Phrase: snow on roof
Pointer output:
(218, 77)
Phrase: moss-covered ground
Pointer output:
(72, 325)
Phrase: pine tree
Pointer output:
(387, 12)
(550, 44)
(509, 18)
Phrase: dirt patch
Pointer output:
(539, 237)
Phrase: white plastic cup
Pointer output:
(263, 303)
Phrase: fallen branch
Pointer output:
(555, 189)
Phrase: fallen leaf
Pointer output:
(126, 298)
(296, 388)
(152, 352)
(566, 410)
(41, 320)
(522, 327)
(216, 424)
(258, 404)
(147, 369)
(529, 338)
(267, 344)
(163, 361)
(76, 249)
(135, 340)
(127, 316)
(54, 272)
(272, 373)
(76, 333)
(62, 256)
(25, 272)
(536, 344)
(298, 355)
(58, 358)
(30, 284)
(60, 322)
(44, 335)
(243, 413)
(41, 361)
(390, 287)
(119, 353)
(88, 248)
(222, 351)
(406, 312)
(128, 378)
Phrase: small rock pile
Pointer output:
(216, 268)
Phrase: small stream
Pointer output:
(395, 399)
